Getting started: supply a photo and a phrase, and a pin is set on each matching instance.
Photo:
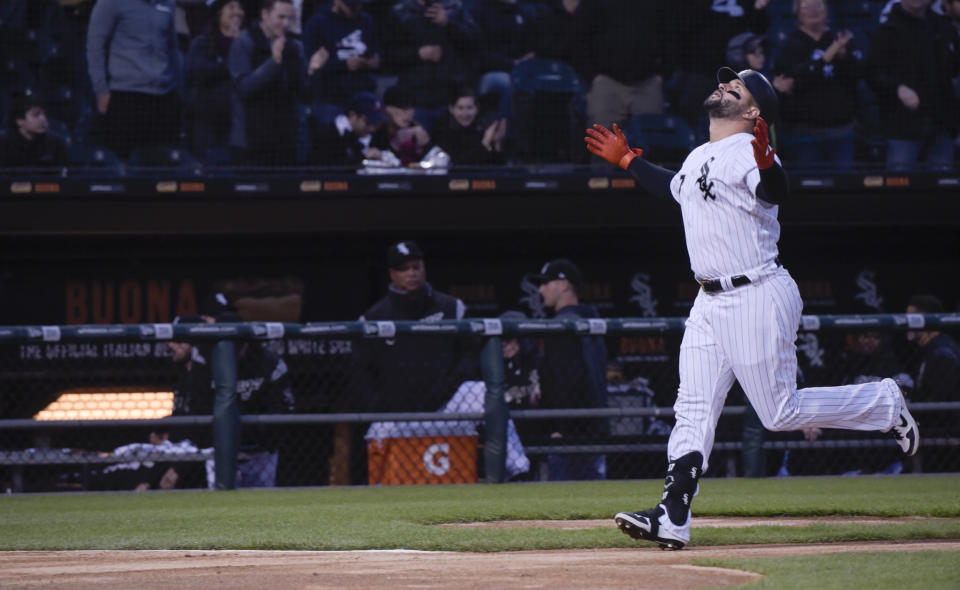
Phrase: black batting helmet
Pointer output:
(759, 87)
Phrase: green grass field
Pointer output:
(401, 517)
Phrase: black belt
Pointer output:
(714, 285)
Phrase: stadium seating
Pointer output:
(548, 124)
(162, 157)
(666, 138)
(93, 158)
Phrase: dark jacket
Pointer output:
(432, 82)
(329, 147)
(210, 86)
(938, 379)
(573, 375)
(343, 38)
(568, 37)
(463, 144)
(44, 151)
(506, 33)
(818, 84)
(267, 93)
(923, 54)
(697, 32)
(410, 373)
(263, 387)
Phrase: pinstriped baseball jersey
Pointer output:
(728, 230)
(748, 333)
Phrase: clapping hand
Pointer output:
(318, 60)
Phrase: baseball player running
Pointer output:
(744, 321)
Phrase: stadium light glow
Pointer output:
(109, 405)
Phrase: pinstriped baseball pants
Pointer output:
(748, 334)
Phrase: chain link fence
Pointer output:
(384, 403)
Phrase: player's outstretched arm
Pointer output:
(773, 187)
(612, 147)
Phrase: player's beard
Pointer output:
(718, 108)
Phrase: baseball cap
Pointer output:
(366, 104)
(560, 268)
(218, 305)
(759, 87)
(740, 45)
(403, 251)
(189, 318)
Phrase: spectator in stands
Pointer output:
(27, 143)
(135, 72)
(208, 77)
(696, 36)
(913, 59)
(401, 134)
(936, 6)
(630, 60)
(747, 50)
(566, 32)
(465, 139)
(938, 377)
(433, 44)
(572, 375)
(190, 20)
(951, 9)
(507, 37)
(348, 36)
(267, 67)
(825, 67)
(409, 374)
(347, 141)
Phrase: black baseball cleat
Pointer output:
(655, 525)
(905, 431)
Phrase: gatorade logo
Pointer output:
(437, 458)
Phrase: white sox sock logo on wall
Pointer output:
(866, 280)
(809, 345)
(532, 298)
(705, 187)
(436, 458)
(640, 283)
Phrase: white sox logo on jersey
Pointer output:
(640, 283)
(706, 187)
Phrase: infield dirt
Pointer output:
(368, 570)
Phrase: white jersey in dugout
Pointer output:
(728, 230)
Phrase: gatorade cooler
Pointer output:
(401, 453)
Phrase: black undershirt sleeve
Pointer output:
(652, 178)
(773, 187)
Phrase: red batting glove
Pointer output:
(762, 151)
(611, 145)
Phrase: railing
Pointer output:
(222, 341)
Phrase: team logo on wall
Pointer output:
(809, 345)
(866, 282)
(640, 283)
(531, 298)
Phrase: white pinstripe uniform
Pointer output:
(748, 333)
